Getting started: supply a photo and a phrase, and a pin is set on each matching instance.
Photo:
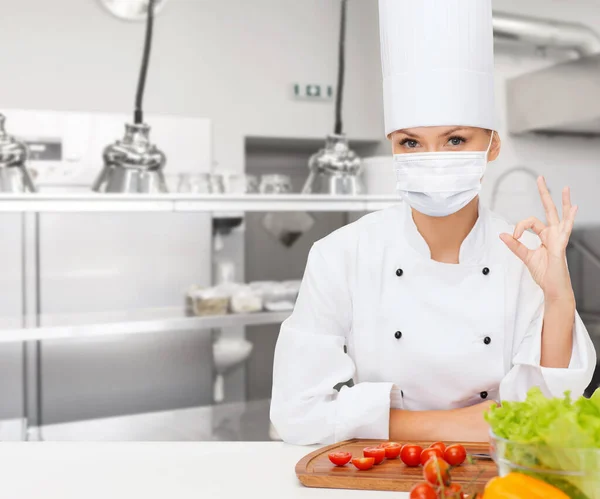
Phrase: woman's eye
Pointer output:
(456, 141)
(411, 144)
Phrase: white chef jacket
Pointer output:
(380, 325)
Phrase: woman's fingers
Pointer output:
(570, 220)
(549, 207)
(566, 203)
(516, 247)
(529, 223)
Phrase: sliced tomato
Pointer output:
(439, 445)
(423, 491)
(427, 454)
(455, 455)
(392, 450)
(340, 458)
(437, 472)
(411, 455)
(375, 452)
(363, 463)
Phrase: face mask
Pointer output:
(439, 184)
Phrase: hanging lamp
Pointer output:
(133, 164)
(335, 169)
(14, 176)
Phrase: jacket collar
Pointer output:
(472, 250)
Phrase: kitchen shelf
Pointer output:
(135, 322)
(94, 202)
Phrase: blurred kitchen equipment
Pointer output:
(200, 183)
(224, 271)
(546, 33)
(287, 228)
(251, 184)
(336, 168)
(228, 354)
(134, 165)
(207, 301)
(131, 10)
(185, 183)
(529, 94)
(515, 195)
(14, 176)
(239, 183)
(217, 183)
(275, 184)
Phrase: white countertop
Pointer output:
(193, 470)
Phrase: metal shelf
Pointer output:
(133, 323)
(93, 202)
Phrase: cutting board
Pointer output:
(315, 470)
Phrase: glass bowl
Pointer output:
(574, 471)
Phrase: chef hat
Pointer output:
(438, 63)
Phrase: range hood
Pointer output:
(561, 99)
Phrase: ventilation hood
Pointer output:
(561, 99)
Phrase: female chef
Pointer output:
(412, 321)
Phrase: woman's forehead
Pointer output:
(436, 131)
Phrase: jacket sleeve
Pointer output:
(526, 371)
(311, 364)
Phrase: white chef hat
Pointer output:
(438, 63)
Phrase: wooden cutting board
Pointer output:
(316, 470)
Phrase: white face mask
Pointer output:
(439, 184)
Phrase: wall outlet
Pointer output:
(313, 91)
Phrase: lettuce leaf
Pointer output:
(557, 434)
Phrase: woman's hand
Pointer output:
(547, 264)
(548, 267)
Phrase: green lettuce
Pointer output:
(553, 434)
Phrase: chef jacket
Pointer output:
(379, 325)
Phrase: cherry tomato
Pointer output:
(436, 471)
(454, 491)
(375, 452)
(411, 455)
(363, 463)
(340, 458)
(392, 450)
(438, 445)
(455, 455)
(429, 453)
(423, 491)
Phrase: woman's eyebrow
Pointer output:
(410, 133)
(452, 130)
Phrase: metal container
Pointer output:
(14, 176)
(334, 169)
(133, 165)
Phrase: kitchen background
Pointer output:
(220, 99)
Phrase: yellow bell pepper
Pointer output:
(519, 486)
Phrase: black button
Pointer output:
(398, 335)
(483, 395)
(399, 272)
(485, 271)
(402, 393)
(487, 340)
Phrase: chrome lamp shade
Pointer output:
(335, 169)
(14, 176)
(132, 165)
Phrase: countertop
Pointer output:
(157, 470)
